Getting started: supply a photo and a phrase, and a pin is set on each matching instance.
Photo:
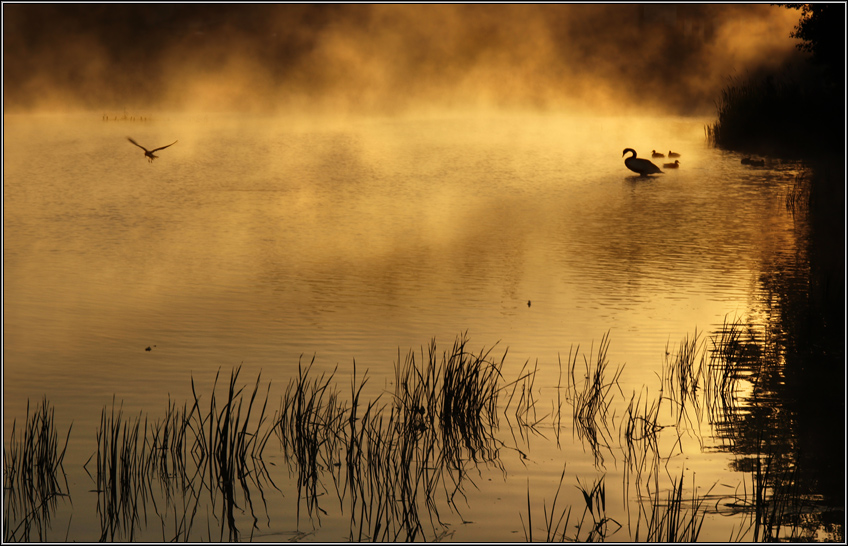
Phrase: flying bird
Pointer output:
(655, 153)
(673, 154)
(674, 165)
(639, 165)
(149, 153)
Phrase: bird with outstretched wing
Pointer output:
(149, 153)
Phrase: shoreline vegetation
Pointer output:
(798, 110)
(795, 113)
(399, 464)
(799, 113)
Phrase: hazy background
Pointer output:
(385, 59)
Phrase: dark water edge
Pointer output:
(798, 112)
(815, 360)
(799, 404)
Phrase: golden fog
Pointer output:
(385, 59)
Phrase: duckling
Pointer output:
(673, 154)
(654, 153)
(674, 165)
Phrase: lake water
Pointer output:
(256, 241)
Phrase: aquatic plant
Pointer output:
(554, 530)
(389, 462)
(600, 526)
(189, 450)
(683, 373)
(591, 402)
(668, 521)
(308, 422)
(596, 505)
(786, 114)
(32, 468)
(398, 465)
(525, 407)
(638, 430)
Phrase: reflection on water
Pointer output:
(255, 242)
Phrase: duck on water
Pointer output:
(639, 165)
(754, 162)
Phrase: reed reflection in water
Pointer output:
(347, 242)
(400, 469)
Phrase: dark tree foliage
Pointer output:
(797, 113)
(822, 34)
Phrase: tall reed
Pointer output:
(591, 401)
(309, 423)
(556, 521)
(668, 520)
(638, 431)
(595, 499)
(32, 468)
(770, 115)
(398, 465)
(188, 451)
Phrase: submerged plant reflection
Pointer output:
(32, 469)
(399, 467)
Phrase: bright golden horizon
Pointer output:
(386, 59)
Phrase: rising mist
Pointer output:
(385, 58)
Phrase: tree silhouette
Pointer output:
(822, 34)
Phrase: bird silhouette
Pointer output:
(655, 153)
(673, 154)
(149, 153)
(674, 165)
(639, 165)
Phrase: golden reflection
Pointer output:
(354, 180)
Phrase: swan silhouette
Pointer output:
(673, 154)
(639, 165)
(149, 153)
(654, 153)
(674, 165)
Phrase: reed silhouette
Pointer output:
(399, 463)
(33, 476)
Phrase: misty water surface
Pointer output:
(254, 241)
